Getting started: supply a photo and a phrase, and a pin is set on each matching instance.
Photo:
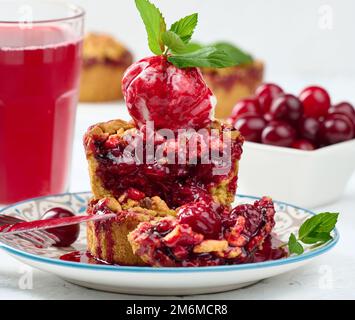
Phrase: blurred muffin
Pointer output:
(232, 84)
(104, 62)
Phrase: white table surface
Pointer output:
(332, 276)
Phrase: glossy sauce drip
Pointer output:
(271, 251)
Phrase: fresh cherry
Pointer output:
(250, 127)
(286, 107)
(202, 218)
(336, 128)
(344, 108)
(309, 128)
(265, 94)
(303, 144)
(316, 101)
(243, 107)
(156, 90)
(67, 235)
(278, 133)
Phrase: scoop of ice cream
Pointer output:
(156, 90)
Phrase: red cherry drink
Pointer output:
(39, 68)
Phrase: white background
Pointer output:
(300, 38)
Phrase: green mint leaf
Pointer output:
(294, 246)
(193, 46)
(173, 42)
(154, 24)
(185, 27)
(235, 53)
(190, 47)
(317, 237)
(320, 223)
(205, 57)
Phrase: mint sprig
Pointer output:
(175, 43)
(185, 27)
(154, 24)
(314, 231)
(294, 246)
(205, 57)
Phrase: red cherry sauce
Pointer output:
(260, 244)
(247, 228)
(271, 251)
(177, 183)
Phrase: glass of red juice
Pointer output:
(40, 61)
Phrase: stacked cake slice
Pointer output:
(144, 191)
(170, 188)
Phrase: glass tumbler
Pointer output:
(40, 62)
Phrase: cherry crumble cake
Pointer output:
(170, 175)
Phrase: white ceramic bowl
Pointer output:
(305, 178)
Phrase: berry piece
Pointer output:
(265, 94)
(286, 107)
(156, 90)
(251, 127)
(268, 117)
(336, 128)
(201, 217)
(344, 108)
(308, 129)
(135, 194)
(243, 107)
(67, 235)
(316, 102)
(303, 144)
(258, 220)
(278, 133)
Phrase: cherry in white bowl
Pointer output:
(299, 149)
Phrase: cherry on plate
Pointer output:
(286, 107)
(250, 126)
(308, 128)
(278, 133)
(336, 128)
(265, 94)
(303, 144)
(344, 108)
(245, 106)
(68, 234)
(315, 101)
(202, 218)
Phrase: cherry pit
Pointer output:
(306, 122)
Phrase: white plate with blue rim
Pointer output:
(157, 281)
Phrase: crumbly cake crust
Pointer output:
(166, 242)
(100, 46)
(108, 240)
(104, 62)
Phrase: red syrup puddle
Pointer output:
(81, 257)
(271, 251)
